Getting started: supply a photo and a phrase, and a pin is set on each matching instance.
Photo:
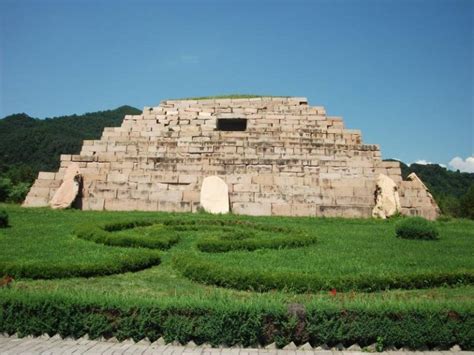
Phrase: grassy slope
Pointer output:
(45, 235)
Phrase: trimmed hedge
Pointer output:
(416, 228)
(208, 272)
(236, 324)
(239, 241)
(41, 270)
(109, 234)
(3, 219)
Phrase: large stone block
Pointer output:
(252, 208)
(387, 200)
(214, 196)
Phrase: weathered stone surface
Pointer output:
(387, 200)
(67, 192)
(416, 200)
(292, 159)
(214, 195)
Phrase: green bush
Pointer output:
(146, 234)
(3, 219)
(224, 244)
(240, 235)
(40, 270)
(416, 228)
(18, 192)
(199, 269)
(232, 324)
(467, 204)
(10, 192)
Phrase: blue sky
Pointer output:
(401, 71)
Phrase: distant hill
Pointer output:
(29, 145)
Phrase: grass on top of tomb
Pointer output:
(45, 237)
(229, 96)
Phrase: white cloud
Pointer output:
(426, 162)
(465, 166)
(422, 162)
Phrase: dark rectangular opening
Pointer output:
(231, 124)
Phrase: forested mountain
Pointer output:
(29, 145)
(439, 180)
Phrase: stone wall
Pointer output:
(293, 159)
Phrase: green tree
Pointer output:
(467, 203)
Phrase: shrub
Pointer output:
(467, 204)
(216, 245)
(241, 235)
(235, 323)
(146, 234)
(130, 261)
(416, 228)
(199, 269)
(3, 219)
(18, 192)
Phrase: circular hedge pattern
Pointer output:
(145, 234)
(227, 235)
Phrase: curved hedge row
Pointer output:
(230, 243)
(129, 261)
(241, 235)
(201, 270)
(156, 237)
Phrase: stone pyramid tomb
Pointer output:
(255, 156)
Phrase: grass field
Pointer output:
(44, 240)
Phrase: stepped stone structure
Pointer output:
(277, 155)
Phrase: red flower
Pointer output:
(333, 292)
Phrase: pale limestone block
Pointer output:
(303, 209)
(174, 196)
(191, 196)
(117, 177)
(246, 188)
(253, 208)
(120, 205)
(93, 203)
(35, 201)
(69, 189)
(146, 205)
(387, 200)
(214, 196)
(281, 209)
(46, 175)
(47, 183)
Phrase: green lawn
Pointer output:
(343, 247)
(43, 240)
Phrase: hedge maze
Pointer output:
(276, 262)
